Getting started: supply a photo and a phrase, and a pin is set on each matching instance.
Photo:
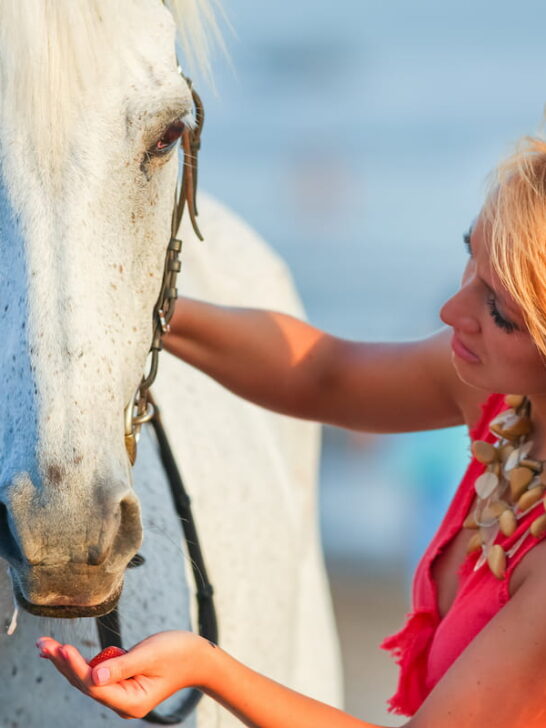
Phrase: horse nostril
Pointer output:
(121, 534)
(129, 535)
(96, 556)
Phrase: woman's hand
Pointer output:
(157, 667)
(134, 683)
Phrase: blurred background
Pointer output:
(356, 137)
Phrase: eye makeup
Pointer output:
(498, 318)
(503, 323)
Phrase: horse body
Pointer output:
(85, 233)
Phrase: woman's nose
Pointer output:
(459, 313)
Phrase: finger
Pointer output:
(76, 666)
(73, 667)
(55, 656)
(117, 669)
(45, 644)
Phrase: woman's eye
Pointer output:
(498, 318)
(168, 140)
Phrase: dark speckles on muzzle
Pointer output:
(54, 474)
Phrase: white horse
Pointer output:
(89, 102)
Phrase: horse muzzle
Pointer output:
(64, 592)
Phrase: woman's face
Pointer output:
(492, 349)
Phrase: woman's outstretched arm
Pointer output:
(286, 365)
(169, 661)
(499, 680)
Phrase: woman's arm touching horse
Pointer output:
(286, 365)
(499, 680)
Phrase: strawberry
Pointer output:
(107, 654)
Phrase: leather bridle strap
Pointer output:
(109, 627)
(139, 410)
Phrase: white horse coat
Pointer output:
(251, 475)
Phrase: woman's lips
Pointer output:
(461, 351)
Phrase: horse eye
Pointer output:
(171, 135)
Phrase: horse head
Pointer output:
(91, 108)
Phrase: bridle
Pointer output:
(142, 409)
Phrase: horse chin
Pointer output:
(68, 611)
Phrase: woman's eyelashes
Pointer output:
(498, 318)
(468, 245)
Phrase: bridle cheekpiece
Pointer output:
(140, 409)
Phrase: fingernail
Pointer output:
(102, 675)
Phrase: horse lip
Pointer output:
(68, 611)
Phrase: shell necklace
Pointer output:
(511, 486)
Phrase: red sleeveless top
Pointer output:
(428, 645)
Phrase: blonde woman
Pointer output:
(472, 652)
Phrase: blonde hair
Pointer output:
(515, 216)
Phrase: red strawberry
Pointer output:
(106, 654)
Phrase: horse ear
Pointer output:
(198, 32)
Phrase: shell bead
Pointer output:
(506, 416)
(519, 480)
(484, 452)
(514, 400)
(497, 561)
(470, 521)
(505, 451)
(485, 484)
(530, 498)
(522, 426)
(497, 508)
(511, 485)
(538, 526)
(474, 543)
(508, 522)
(534, 465)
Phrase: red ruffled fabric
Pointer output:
(411, 646)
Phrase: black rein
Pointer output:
(109, 627)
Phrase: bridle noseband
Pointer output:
(142, 409)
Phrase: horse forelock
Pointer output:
(55, 54)
(198, 31)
